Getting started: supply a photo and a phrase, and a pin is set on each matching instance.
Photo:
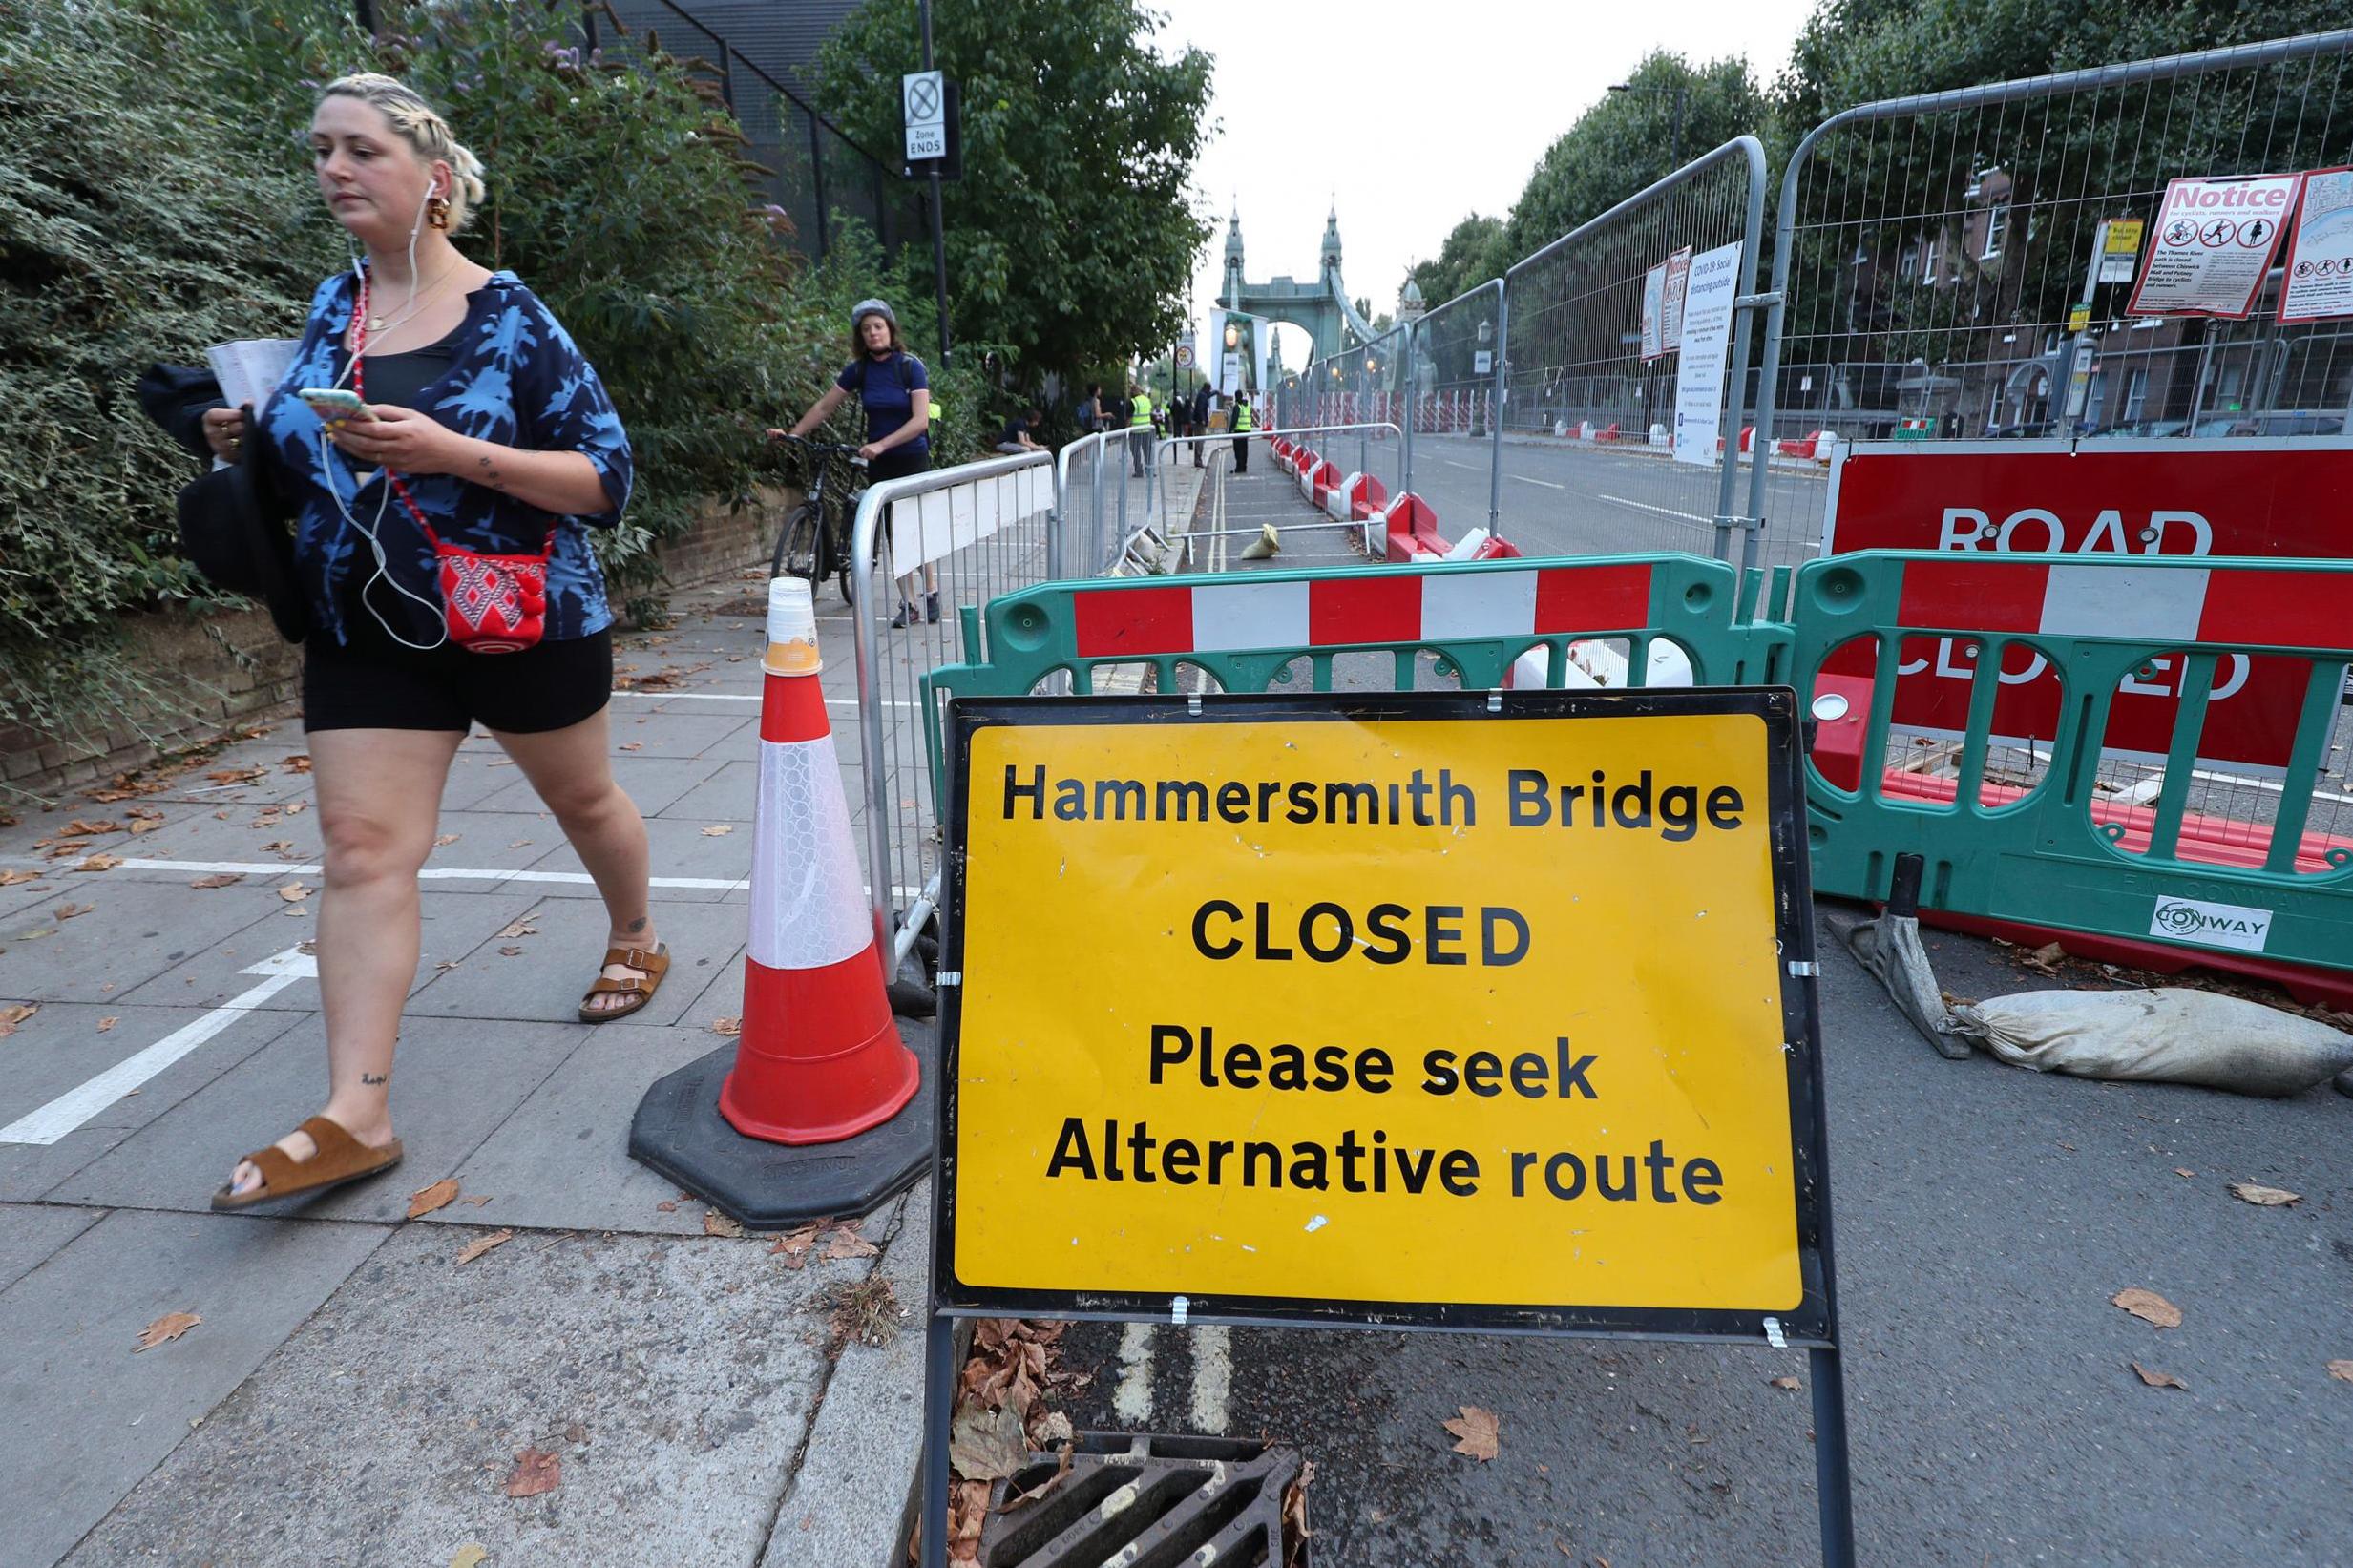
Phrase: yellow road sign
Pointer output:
(1294, 1004)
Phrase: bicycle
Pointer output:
(812, 544)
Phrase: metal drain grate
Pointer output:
(1147, 1500)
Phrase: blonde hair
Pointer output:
(421, 126)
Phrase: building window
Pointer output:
(1927, 264)
(1907, 266)
(2135, 394)
(1997, 224)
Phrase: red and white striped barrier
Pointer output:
(820, 1058)
(1361, 607)
(2153, 603)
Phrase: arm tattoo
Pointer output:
(638, 925)
(492, 478)
(375, 1080)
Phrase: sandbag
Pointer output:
(1890, 949)
(2169, 1036)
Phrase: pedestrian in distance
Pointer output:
(1020, 433)
(1200, 420)
(1139, 428)
(1243, 424)
(444, 449)
(895, 392)
(1090, 409)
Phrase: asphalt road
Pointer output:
(1985, 1217)
(1578, 500)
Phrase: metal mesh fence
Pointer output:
(807, 170)
(1935, 253)
(1596, 360)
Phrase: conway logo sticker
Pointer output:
(2214, 925)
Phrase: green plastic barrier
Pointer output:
(1245, 632)
(2059, 852)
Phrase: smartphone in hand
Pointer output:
(334, 404)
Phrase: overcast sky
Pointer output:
(1412, 116)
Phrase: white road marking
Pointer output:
(1546, 483)
(1212, 1377)
(440, 873)
(77, 1105)
(1664, 512)
(1133, 1400)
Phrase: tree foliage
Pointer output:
(1473, 253)
(156, 197)
(1071, 233)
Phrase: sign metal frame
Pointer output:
(1812, 1324)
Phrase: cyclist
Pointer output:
(895, 392)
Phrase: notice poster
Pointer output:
(2320, 264)
(1671, 316)
(1654, 313)
(2214, 243)
(1713, 283)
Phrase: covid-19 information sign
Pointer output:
(1482, 1011)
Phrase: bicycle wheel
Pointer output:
(842, 564)
(797, 544)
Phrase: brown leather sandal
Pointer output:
(640, 991)
(338, 1159)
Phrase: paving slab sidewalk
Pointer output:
(354, 1391)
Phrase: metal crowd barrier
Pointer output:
(1479, 619)
(976, 533)
(2059, 847)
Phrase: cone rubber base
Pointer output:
(677, 1131)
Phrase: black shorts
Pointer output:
(373, 682)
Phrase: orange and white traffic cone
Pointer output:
(820, 1058)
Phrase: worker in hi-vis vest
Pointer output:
(1139, 427)
(1243, 424)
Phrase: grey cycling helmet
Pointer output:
(872, 307)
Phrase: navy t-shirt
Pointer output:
(886, 388)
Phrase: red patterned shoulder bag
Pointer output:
(489, 603)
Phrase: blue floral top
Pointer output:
(517, 380)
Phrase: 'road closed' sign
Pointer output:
(1316, 1007)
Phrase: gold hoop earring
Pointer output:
(437, 212)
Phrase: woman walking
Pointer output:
(443, 517)
(895, 392)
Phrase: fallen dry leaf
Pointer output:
(986, 1445)
(730, 1027)
(668, 1205)
(717, 830)
(630, 745)
(716, 1223)
(794, 1245)
(1480, 1432)
(71, 911)
(2183, 1171)
(277, 846)
(2149, 1307)
(235, 775)
(478, 1200)
(468, 1555)
(510, 952)
(447, 839)
(99, 863)
(169, 1326)
(440, 1195)
(2246, 1192)
(535, 1470)
(846, 1243)
(294, 892)
(295, 808)
(61, 851)
(483, 1243)
(297, 763)
(77, 826)
(2158, 1380)
(14, 1013)
(105, 1024)
(145, 825)
(218, 879)
(519, 843)
(524, 926)
(2342, 1371)
(9, 879)
(1787, 1385)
